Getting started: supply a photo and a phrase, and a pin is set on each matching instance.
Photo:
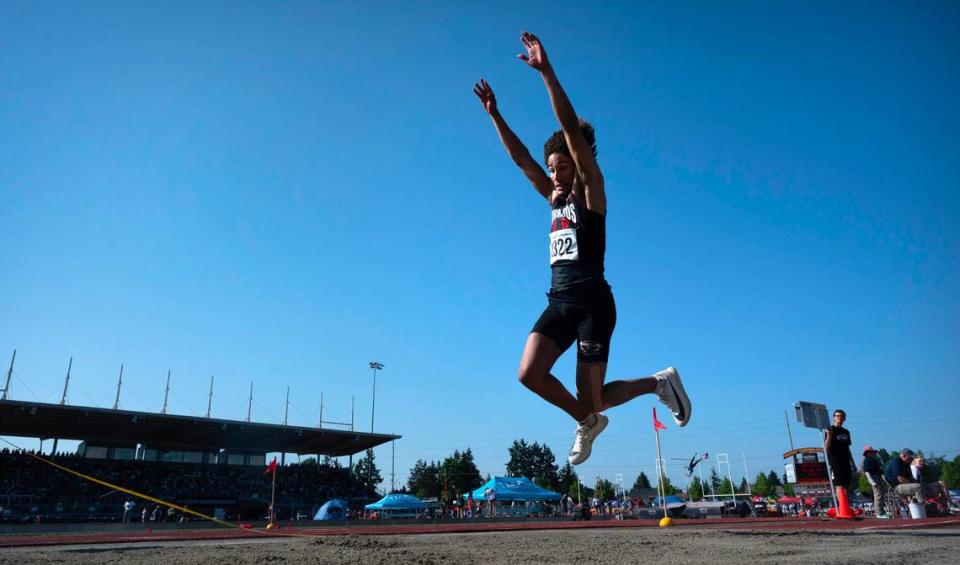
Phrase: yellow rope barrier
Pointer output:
(151, 498)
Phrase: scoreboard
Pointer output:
(810, 468)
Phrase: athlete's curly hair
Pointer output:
(558, 144)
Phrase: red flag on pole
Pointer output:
(272, 467)
(657, 425)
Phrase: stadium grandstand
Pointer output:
(211, 465)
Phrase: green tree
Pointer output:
(696, 489)
(725, 487)
(330, 463)
(520, 463)
(567, 480)
(605, 490)
(788, 489)
(761, 487)
(951, 473)
(545, 465)
(424, 480)
(459, 472)
(366, 474)
(744, 487)
(642, 481)
(773, 480)
(668, 487)
(536, 462)
(863, 485)
(715, 481)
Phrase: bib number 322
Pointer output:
(563, 245)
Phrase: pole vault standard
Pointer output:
(724, 459)
(746, 473)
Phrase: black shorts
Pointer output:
(842, 472)
(589, 321)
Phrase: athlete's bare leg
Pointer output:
(590, 384)
(618, 392)
(598, 396)
(539, 355)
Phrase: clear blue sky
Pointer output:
(281, 192)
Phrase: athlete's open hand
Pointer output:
(485, 94)
(536, 55)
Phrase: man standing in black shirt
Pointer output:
(838, 451)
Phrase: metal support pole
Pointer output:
(116, 402)
(352, 404)
(376, 366)
(789, 433)
(63, 400)
(250, 402)
(746, 473)
(166, 393)
(623, 492)
(6, 387)
(286, 409)
(210, 397)
(660, 489)
(66, 383)
(833, 488)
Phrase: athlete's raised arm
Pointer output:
(583, 157)
(515, 148)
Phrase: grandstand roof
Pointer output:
(103, 426)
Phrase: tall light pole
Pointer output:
(376, 366)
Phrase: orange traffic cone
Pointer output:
(844, 512)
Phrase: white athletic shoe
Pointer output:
(583, 439)
(670, 391)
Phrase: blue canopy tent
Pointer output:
(397, 504)
(514, 488)
(670, 500)
(334, 509)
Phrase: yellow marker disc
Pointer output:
(665, 522)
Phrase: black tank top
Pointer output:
(578, 241)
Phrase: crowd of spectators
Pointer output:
(32, 487)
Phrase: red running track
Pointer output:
(759, 524)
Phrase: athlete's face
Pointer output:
(562, 172)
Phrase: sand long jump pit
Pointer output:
(750, 542)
